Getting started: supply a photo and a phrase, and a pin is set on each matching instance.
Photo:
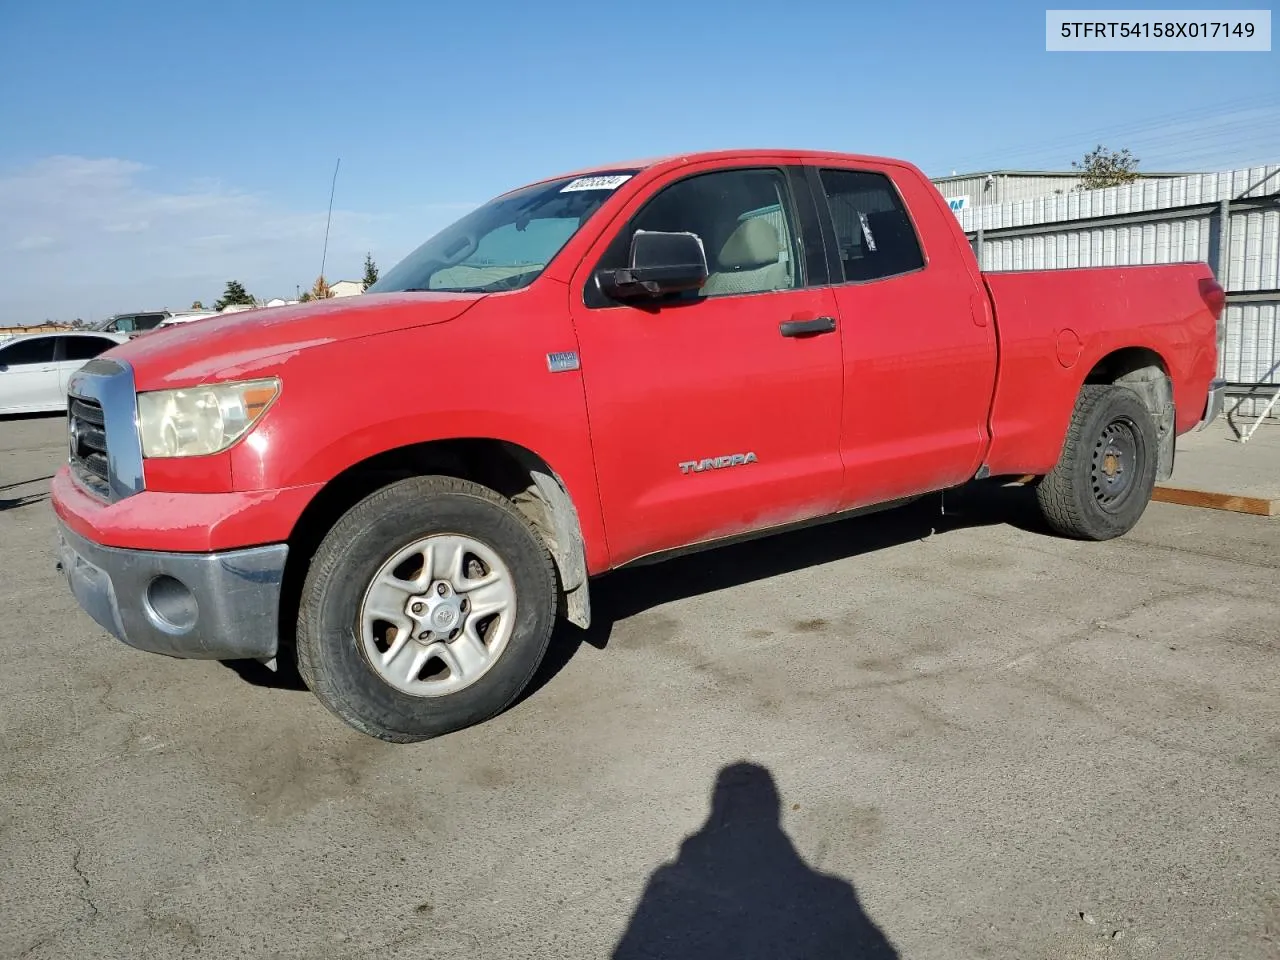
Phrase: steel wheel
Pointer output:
(437, 615)
(1106, 473)
(1115, 464)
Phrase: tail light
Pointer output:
(1215, 298)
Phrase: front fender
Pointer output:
(486, 377)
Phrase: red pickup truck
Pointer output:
(405, 490)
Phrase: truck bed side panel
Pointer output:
(1056, 325)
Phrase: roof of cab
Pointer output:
(678, 159)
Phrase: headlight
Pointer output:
(196, 421)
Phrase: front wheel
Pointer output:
(427, 608)
(1104, 480)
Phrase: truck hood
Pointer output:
(215, 348)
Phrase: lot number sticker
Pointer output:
(596, 183)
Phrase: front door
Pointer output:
(717, 414)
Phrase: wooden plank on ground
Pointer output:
(1259, 506)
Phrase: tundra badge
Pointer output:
(716, 463)
(560, 362)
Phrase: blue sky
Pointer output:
(151, 151)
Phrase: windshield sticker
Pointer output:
(596, 183)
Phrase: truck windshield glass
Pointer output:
(506, 243)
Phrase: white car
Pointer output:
(35, 367)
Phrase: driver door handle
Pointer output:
(805, 328)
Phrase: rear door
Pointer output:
(919, 344)
(29, 375)
(709, 416)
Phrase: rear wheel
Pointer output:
(427, 609)
(1103, 482)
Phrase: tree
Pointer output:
(236, 295)
(1106, 168)
(197, 305)
(370, 271)
(306, 297)
(320, 289)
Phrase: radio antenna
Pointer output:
(329, 219)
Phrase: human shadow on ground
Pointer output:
(739, 889)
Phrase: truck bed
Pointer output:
(1056, 325)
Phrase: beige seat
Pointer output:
(750, 261)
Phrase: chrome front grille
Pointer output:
(104, 451)
(86, 426)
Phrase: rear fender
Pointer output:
(1155, 388)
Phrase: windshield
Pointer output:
(505, 244)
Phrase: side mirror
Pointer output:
(660, 264)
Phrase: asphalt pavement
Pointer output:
(911, 735)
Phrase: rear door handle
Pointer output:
(805, 328)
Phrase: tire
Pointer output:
(1104, 480)
(348, 625)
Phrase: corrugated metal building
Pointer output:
(1004, 186)
(1161, 221)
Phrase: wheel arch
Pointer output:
(1145, 372)
(509, 469)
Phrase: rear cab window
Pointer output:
(875, 238)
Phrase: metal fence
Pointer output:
(1231, 220)
(1004, 186)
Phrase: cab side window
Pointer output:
(873, 231)
(745, 220)
(23, 352)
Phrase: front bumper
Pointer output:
(1214, 403)
(203, 606)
